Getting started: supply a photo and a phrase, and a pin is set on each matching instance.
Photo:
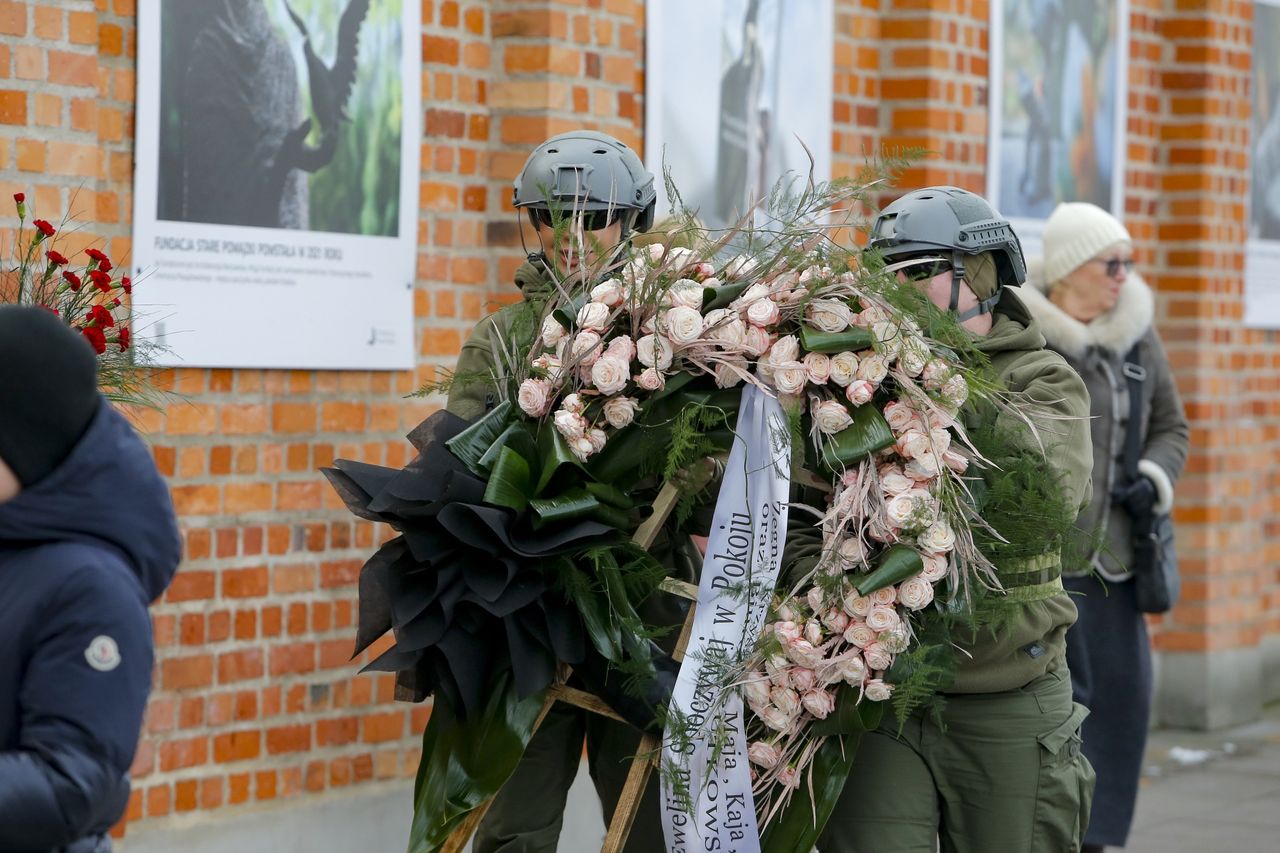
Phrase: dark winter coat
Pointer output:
(82, 553)
(1097, 351)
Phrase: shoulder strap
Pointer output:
(1134, 374)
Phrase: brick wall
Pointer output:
(255, 699)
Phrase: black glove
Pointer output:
(639, 700)
(1137, 498)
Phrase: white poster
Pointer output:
(1262, 255)
(1059, 78)
(276, 187)
(731, 111)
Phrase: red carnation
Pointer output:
(19, 198)
(127, 284)
(72, 279)
(101, 280)
(123, 338)
(96, 338)
(101, 316)
(104, 263)
(44, 227)
(56, 258)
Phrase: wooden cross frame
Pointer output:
(648, 751)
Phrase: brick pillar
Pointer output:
(1211, 646)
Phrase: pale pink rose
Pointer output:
(574, 403)
(756, 341)
(803, 679)
(552, 366)
(852, 552)
(860, 392)
(939, 419)
(830, 416)
(730, 372)
(858, 634)
(784, 349)
(819, 366)
(610, 375)
(913, 444)
(873, 368)
(649, 325)
(678, 258)
(853, 670)
(777, 719)
(888, 338)
(752, 294)
(655, 252)
(883, 597)
(813, 632)
(682, 325)
(650, 379)
(835, 620)
(935, 373)
(936, 567)
(764, 755)
(844, 368)
(915, 593)
(582, 447)
(685, 293)
(877, 657)
(594, 316)
(872, 314)
(740, 267)
(899, 509)
(899, 415)
(938, 537)
(654, 351)
(785, 700)
(597, 438)
(955, 391)
(914, 355)
(535, 397)
(570, 425)
(722, 325)
(877, 690)
(789, 778)
(621, 348)
(790, 377)
(882, 618)
(828, 315)
(620, 411)
(819, 703)
(608, 293)
(636, 270)
(924, 467)
(893, 481)
(896, 641)
(704, 272)
(814, 598)
(787, 631)
(940, 439)
(879, 531)
(763, 313)
(956, 461)
(586, 347)
(857, 606)
(804, 653)
(778, 669)
(787, 613)
(756, 688)
(552, 332)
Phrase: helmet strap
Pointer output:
(957, 277)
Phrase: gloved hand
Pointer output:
(1137, 498)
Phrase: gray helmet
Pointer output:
(949, 220)
(589, 171)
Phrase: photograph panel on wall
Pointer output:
(276, 186)
(1262, 255)
(1058, 88)
(730, 118)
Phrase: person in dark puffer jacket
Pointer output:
(88, 539)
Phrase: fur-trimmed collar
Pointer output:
(1116, 330)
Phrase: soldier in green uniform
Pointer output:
(585, 194)
(1001, 770)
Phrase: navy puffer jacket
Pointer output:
(82, 553)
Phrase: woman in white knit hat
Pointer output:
(1097, 312)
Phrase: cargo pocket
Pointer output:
(1064, 792)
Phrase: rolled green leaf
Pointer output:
(720, 297)
(510, 482)
(465, 762)
(851, 339)
(517, 437)
(567, 314)
(553, 455)
(472, 443)
(868, 433)
(894, 566)
(575, 503)
(611, 495)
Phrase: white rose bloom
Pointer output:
(859, 634)
(900, 509)
(610, 375)
(852, 670)
(877, 657)
(813, 632)
(763, 312)
(650, 379)
(835, 620)
(730, 372)
(894, 482)
(915, 593)
(756, 341)
(819, 703)
(899, 415)
(882, 618)
(678, 258)
(552, 332)
(830, 416)
(814, 598)
(877, 691)
(819, 366)
(724, 326)
(955, 391)
(683, 325)
(785, 700)
(844, 368)
(859, 392)
(897, 641)
(804, 653)
(883, 597)
(888, 337)
(852, 552)
(786, 348)
(620, 411)
(621, 348)
(938, 538)
(790, 377)
(756, 688)
(873, 368)
(955, 460)
(764, 755)
(913, 444)
(553, 367)
(706, 274)
(582, 447)
(597, 438)
(776, 719)
(534, 397)
(586, 347)
(574, 403)
(740, 267)
(570, 425)
(654, 351)
(594, 316)
(914, 354)
(857, 606)
(935, 373)
(685, 293)
(608, 293)
(828, 315)
(940, 440)
(935, 567)
(649, 324)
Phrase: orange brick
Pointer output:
(247, 497)
(237, 746)
(380, 728)
(73, 159)
(158, 800)
(188, 672)
(73, 69)
(244, 583)
(292, 579)
(30, 154)
(293, 417)
(110, 40)
(243, 418)
(284, 739)
(343, 417)
(184, 795)
(196, 500)
(13, 19)
(13, 105)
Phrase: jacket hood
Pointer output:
(1116, 330)
(108, 493)
(1013, 328)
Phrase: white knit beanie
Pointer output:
(1076, 232)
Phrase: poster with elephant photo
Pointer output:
(745, 103)
(276, 186)
(1057, 116)
(1262, 254)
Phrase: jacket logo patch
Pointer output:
(103, 654)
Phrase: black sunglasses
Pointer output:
(1114, 264)
(592, 220)
(927, 267)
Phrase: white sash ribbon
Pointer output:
(706, 791)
